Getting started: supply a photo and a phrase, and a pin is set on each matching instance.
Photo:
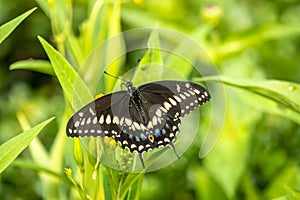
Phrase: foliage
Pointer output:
(255, 46)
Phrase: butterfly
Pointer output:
(139, 118)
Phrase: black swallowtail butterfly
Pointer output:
(141, 118)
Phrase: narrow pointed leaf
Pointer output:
(42, 66)
(74, 88)
(284, 95)
(8, 27)
(12, 148)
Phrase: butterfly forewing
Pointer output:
(98, 118)
(175, 96)
(141, 118)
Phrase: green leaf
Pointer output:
(97, 42)
(128, 182)
(74, 88)
(8, 27)
(24, 164)
(42, 66)
(44, 5)
(284, 181)
(285, 95)
(150, 67)
(38, 151)
(134, 192)
(254, 37)
(12, 148)
(294, 194)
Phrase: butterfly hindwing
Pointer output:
(141, 118)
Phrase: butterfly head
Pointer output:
(130, 87)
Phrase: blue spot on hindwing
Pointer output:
(157, 132)
(143, 136)
(137, 139)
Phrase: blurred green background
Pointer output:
(258, 153)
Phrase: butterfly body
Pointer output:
(142, 118)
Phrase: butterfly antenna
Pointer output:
(173, 148)
(115, 77)
(142, 160)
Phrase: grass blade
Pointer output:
(284, 95)
(74, 88)
(12, 148)
(42, 66)
(8, 27)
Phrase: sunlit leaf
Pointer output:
(8, 27)
(74, 88)
(12, 148)
(42, 66)
(128, 182)
(286, 95)
(150, 67)
(256, 36)
(37, 149)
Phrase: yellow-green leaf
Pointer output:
(8, 27)
(12, 148)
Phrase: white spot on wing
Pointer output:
(172, 101)
(191, 92)
(92, 111)
(150, 125)
(182, 96)
(95, 120)
(167, 105)
(128, 121)
(115, 120)
(101, 119)
(167, 140)
(121, 121)
(177, 98)
(108, 119)
(76, 124)
(154, 121)
(137, 126)
(158, 112)
(143, 127)
(196, 91)
(174, 128)
(88, 121)
(141, 147)
(178, 88)
(187, 94)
